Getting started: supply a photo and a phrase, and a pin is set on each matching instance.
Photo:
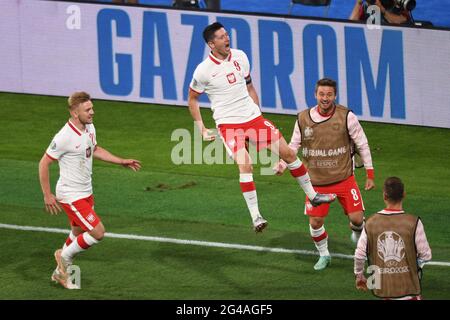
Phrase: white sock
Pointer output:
(69, 240)
(249, 193)
(302, 176)
(320, 238)
(252, 203)
(83, 242)
(357, 230)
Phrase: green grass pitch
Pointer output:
(197, 202)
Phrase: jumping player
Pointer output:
(225, 77)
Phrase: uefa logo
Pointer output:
(390, 247)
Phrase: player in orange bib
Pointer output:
(329, 135)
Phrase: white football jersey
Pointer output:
(74, 151)
(224, 83)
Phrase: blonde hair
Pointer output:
(76, 98)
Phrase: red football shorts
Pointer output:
(258, 131)
(347, 193)
(81, 213)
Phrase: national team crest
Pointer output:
(390, 246)
(231, 78)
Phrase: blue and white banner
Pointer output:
(395, 75)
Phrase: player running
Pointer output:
(328, 134)
(74, 147)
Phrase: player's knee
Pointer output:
(356, 218)
(245, 168)
(99, 236)
(316, 223)
(98, 233)
(289, 155)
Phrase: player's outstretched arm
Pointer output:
(51, 204)
(296, 141)
(358, 136)
(370, 184)
(105, 155)
(134, 165)
(194, 109)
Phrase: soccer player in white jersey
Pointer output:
(328, 134)
(74, 147)
(225, 77)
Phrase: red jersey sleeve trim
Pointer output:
(370, 174)
(190, 88)
(50, 156)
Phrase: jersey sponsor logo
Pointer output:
(323, 152)
(53, 147)
(357, 203)
(231, 78)
(76, 147)
(88, 152)
(214, 74)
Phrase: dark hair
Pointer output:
(326, 82)
(208, 33)
(394, 189)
